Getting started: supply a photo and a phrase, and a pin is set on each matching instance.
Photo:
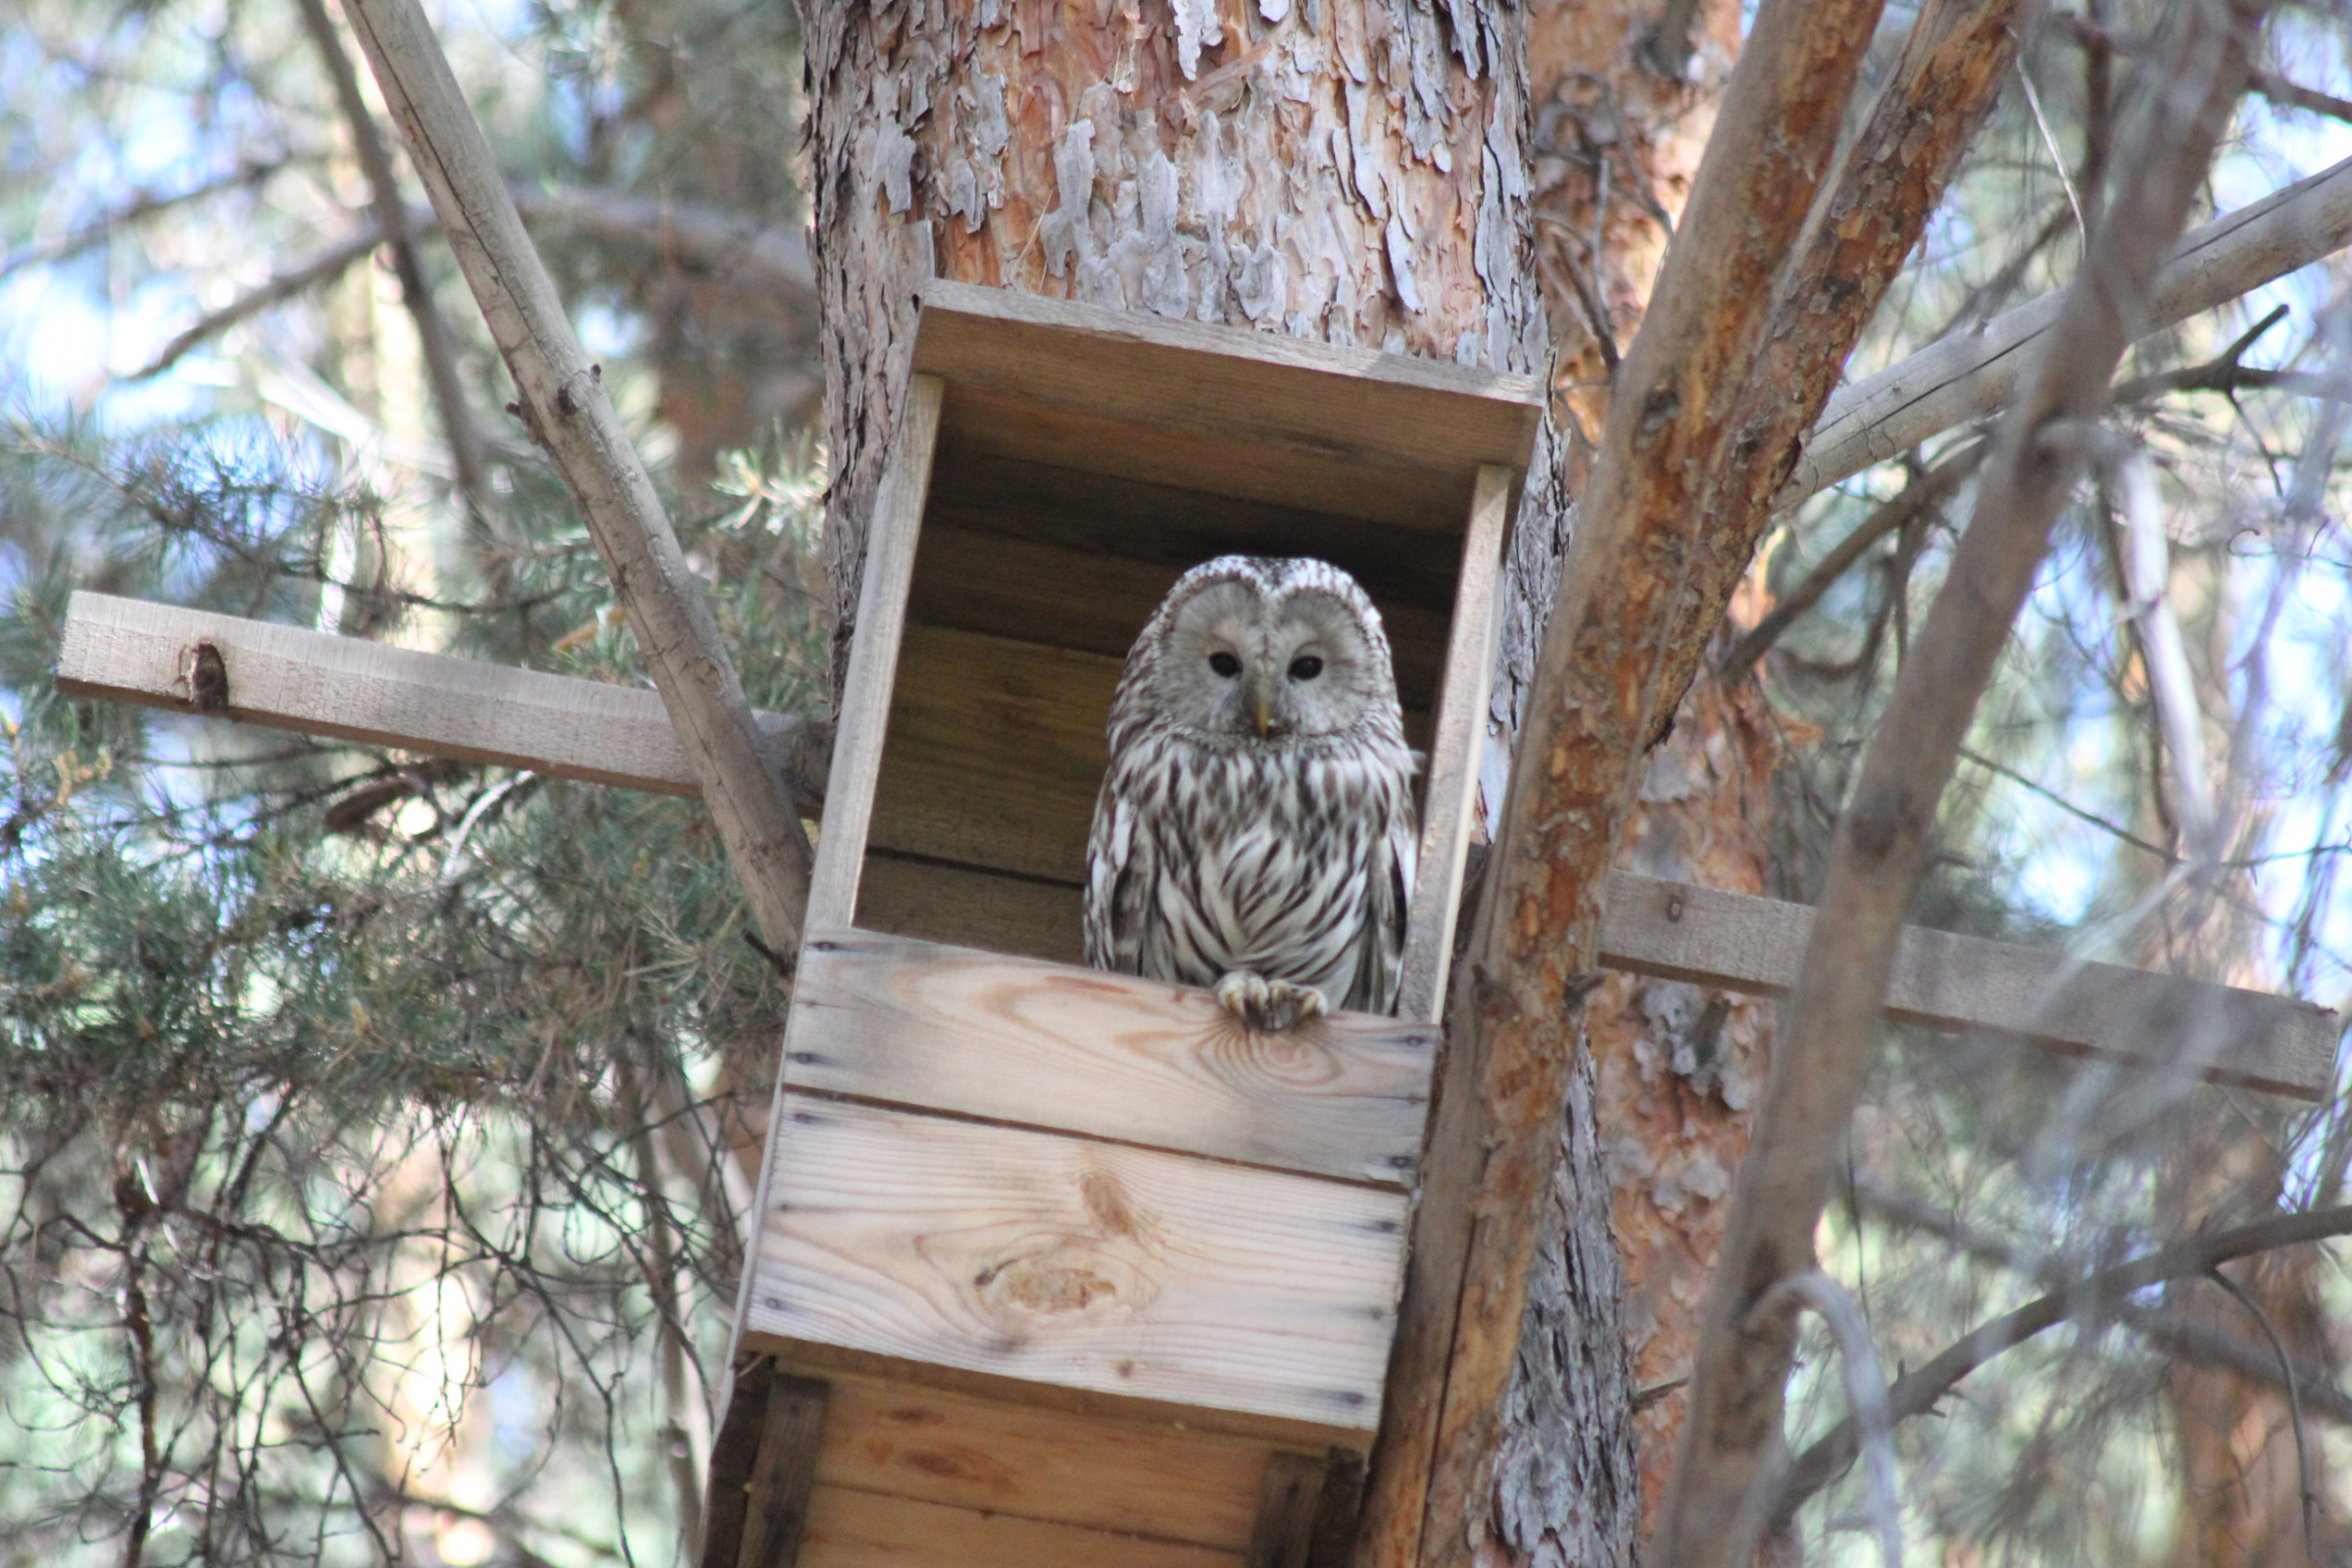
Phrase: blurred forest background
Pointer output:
(373, 1129)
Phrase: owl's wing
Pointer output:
(1394, 860)
(1119, 877)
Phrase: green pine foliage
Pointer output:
(337, 1085)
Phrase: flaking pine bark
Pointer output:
(1354, 173)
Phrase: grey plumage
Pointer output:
(1254, 830)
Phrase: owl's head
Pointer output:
(1250, 649)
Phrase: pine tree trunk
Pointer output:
(1336, 169)
(1661, 1119)
(1357, 172)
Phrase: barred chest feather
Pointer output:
(1282, 859)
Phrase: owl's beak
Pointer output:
(1265, 719)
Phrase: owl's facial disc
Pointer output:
(1241, 668)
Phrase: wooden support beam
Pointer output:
(1288, 1502)
(346, 688)
(1736, 943)
(286, 678)
(783, 1474)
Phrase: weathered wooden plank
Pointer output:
(866, 697)
(851, 1529)
(972, 909)
(734, 1448)
(313, 683)
(1287, 1506)
(1144, 1478)
(982, 420)
(1736, 943)
(1450, 797)
(1095, 599)
(1307, 403)
(776, 1509)
(1059, 1261)
(996, 750)
(942, 1028)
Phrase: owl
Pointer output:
(1254, 831)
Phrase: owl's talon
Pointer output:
(1273, 1006)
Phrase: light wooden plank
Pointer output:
(1306, 402)
(850, 1529)
(874, 656)
(972, 909)
(1736, 943)
(1045, 1044)
(1058, 1260)
(1147, 1477)
(1286, 1511)
(1450, 800)
(776, 1509)
(313, 683)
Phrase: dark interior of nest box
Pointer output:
(1052, 529)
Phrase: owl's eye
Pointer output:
(1225, 665)
(1306, 667)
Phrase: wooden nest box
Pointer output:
(1052, 1265)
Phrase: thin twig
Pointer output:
(324, 267)
(1917, 496)
(465, 450)
(142, 207)
(1865, 1393)
(2294, 1407)
(1915, 1393)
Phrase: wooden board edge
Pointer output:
(1395, 1172)
(806, 1359)
(2298, 1053)
(860, 726)
(995, 309)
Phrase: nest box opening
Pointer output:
(1084, 461)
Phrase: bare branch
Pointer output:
(2189, 1341)
(2093, 1296)
(1822, 1046)
(1971, 374)
(1721, 379)
(2266, 83)
(143, 205)
(2294, 1406)
(457, 424)
(563, 401)
(1918, 497)
(323, 267)
(1865, 1393)
(735, 251)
